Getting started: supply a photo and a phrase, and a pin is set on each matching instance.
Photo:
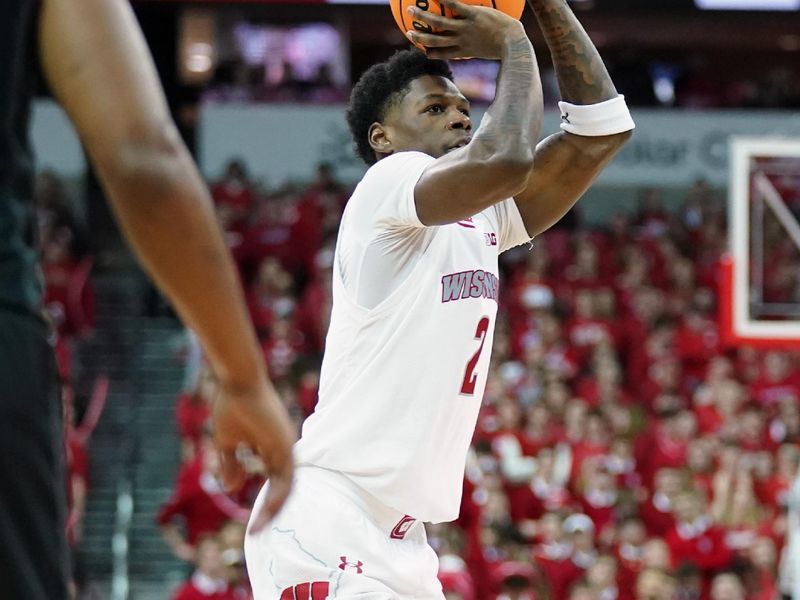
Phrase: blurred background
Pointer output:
(622, 451)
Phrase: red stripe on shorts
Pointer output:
(317, 590)
(320, 590)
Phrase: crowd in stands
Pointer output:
(621, 452)
(69, 306)
(236, 81)
(698, 83)
(691, 84)
(66, 265)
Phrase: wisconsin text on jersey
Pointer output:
(469, 284)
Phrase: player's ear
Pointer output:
(379, 139)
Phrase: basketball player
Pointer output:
(415, 295)
(96, 62)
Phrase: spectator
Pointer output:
(234, 192)
(551, 555)
(201, 502)
(777, 381)
(774, 490)
(656, 511)
(763, 581)
(270, 296)
(282, 348)
(602, 578)
(656, 555)
(580, 534)
(516, 581)
(666, 442)
(785, 426)
(608, 394)
(208, 580)
(594, 442)
(695, 538)
(231, 538)
(727, 586)
(628, 549)
(600, 496)
(582, 591)
(77, 470)
(653, 584)
(193, 411)
(688, 582)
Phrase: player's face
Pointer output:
(433, 117)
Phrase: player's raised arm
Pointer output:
(595, 120)
(99, 68)
(496, 164)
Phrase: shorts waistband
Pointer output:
(395, 523)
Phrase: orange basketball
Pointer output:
(513, 8)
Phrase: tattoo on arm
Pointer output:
(515, 116)
(582, 76)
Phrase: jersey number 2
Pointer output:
(470, 377)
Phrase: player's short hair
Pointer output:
(383, 85)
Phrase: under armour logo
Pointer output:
(354, 565)
(565, 118)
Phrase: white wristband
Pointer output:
(604, 118)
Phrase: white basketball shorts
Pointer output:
(333, 540)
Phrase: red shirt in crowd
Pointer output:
(233, 194)
(77, 468)
(656, 514)
(656, 449)
(560, 573)
(708, 418)
(599, 506)
(701, 544)
(767, 586)
(584, 334)
(772, 491)
(695, 346)
(313, 313)
(630, 561)
(469, 520)
(583, 451)
(201, 501)
(203, 587)
(769, 392)
(192, 414)
(260, 307)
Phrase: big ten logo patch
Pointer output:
(491, 238)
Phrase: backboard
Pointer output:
(760, 288)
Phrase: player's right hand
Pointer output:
(253, 416)
(474, 32)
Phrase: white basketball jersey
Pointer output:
(408, 348)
